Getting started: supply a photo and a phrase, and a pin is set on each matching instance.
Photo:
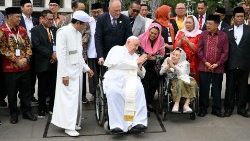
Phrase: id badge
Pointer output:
(18, 52)
(169, 39)
(54, 48)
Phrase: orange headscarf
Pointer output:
(162, 16)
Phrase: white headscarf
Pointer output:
(183, 67)
(196, 31)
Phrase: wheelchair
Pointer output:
(165, 102)
(101, 105)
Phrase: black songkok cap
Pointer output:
(55, 1)
(22, 2)
(238, 10)
(96, 5)
(221, 10)
(13, 10)
(215, 18)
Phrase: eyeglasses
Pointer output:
(136, 11)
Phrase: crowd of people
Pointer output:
(58, 50)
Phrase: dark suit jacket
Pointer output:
(239, 55)
(107, 36)
(34, 20)
(204, 25)
(42, 48)
(224, 25)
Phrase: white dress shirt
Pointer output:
(238, 32)
(91, 49)
(148, 21)
(203, 19)
(28, 23)
(219, 27)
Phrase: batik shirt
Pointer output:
(12, 40)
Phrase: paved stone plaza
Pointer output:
(176, 128)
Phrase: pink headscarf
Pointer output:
(146, 44)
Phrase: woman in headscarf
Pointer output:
(152, 43)
(188, 39)
(162, 17)
(182, 84)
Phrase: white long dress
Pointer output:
(119, 62)
(70, 63)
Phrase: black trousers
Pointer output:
(150, 81)
(3, 92)
(18, 82)
(206, 79)
(248, 94)
(236, 83)
(94, 80)
(33, 75)
(33, 82)
(46, 88)
(84, 86)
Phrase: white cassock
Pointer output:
(121, 67)
(67, 105)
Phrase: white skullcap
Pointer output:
(133, 37)
(81, 16)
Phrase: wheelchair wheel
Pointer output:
(160, 97)
(106, 127)
(99, 105)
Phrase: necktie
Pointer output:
(49, 35)
(200, 21)
(114, 22)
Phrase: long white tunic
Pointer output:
(119, 62)
(70, 63)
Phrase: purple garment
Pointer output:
(1, 18)
(213, 49)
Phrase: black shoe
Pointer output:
(116, 131)
(202, 113)
(228, 113)
(0, 122)
(34, 100)
(3, 103)
(29, 116)
(41, 114)
(243, 113)
(14, 119)
(139, 128)
(217, 113)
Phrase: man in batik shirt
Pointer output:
(16, 52)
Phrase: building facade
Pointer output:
(38, 5)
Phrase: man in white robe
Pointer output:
(67, 106)
(122, 85)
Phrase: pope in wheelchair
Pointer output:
(127, 111)
(177, 68)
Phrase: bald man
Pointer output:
(180, 11)
(122, 85)
(112, 28)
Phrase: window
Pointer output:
(38, 3)
(2, 2)
(16, 2)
